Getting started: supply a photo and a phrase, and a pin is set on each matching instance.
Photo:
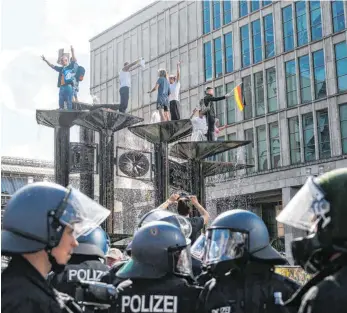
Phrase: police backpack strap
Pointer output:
(67, 303)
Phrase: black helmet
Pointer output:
(96, 243)
(36, 215)
(236, 236)
(158, 248)
(319, 208)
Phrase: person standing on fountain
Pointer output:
(199, 126)
(163, 88)
(125, 84)
(65, 79)
(208, 109)
(175, 86)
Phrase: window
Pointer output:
(245, 46)
(259, 93)
(216, 14)
(308, 130)
(218, 63)
(338, 16)
(266, 3)
(208, 61)
(262, 151)
(316, 20)
(319, 74)
(341, 65)
(343, 125)
(228, 46)
(232, 154)
(301, 23)
(275, 148)
(288, 37)
(243, 7)
(227, 8)
(220, 105)
(230, 104)
(305, 79)
(291, 83)
(257, 49)
(206, 17)
(254, 5)
(249, 149)
(247, 92)
(271, 89)
(294, 140)
(323, 134)
(269, 36)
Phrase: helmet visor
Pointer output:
(224, 244)
(198, 247)
(183, 262)
(81, 213)
(307, 208)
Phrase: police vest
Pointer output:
(149, 303)
(75, 275)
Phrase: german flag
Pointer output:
(239, 97)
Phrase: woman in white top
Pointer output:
(199, 126)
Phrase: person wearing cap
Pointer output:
(113, 256)
(207, 107)
(174, 97)
(239, 257)
(41, 225)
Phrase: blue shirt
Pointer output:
(163, 91)
(66, 74)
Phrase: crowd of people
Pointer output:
(57, 249)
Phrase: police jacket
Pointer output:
(67, 281)
(110, 277)
(25, 290)
(324, 293)
(170, 294)
(206, 104)
(251, 291)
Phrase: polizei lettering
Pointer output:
(84, 274)
(152, 303)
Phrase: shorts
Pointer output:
(164, 107)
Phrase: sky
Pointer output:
(29, 29)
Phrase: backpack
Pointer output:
(80, 73)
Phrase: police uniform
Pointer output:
(169, 294)
(67, 281)
(110, 277)
(25, 290)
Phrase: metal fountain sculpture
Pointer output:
(102, 118)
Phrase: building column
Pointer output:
(290, 233)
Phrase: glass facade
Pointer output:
(319, 74)
(218, 61)
(338, 16)
(271, 89)
(220, 105)
(259, 93)
(323, 134)
(292, 99)
(228, 43)
(288, 36)
(208, 60)
(343, 126)
(231, 116)
(308, 135)
(216, 15)
(341, 65)
(305, 79)
(255, 5)
(246, 61)
(301, 23)
(269, 36)
(275, 147)
(206, 17)
(227, 11)
(249, 149)
(262, 150)
(247, 92)
(243, 7)
(316, 20)
(257, 47)
(294, 140)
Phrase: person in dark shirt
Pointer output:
(207, 107)
(184, 208)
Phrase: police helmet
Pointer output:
(236, 236)
(36, 215)
(167, 216)
(96, 243)
(158, 248)
(319, 208)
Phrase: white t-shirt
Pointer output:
(175, 91)
(199, 124)
(124, 79)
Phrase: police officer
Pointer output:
(87, 262)
(40, 226)
(320, 209)
(157, 269)
(240, 258)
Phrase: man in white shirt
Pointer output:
(125, 84)
(199, 126)
(175, 86)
